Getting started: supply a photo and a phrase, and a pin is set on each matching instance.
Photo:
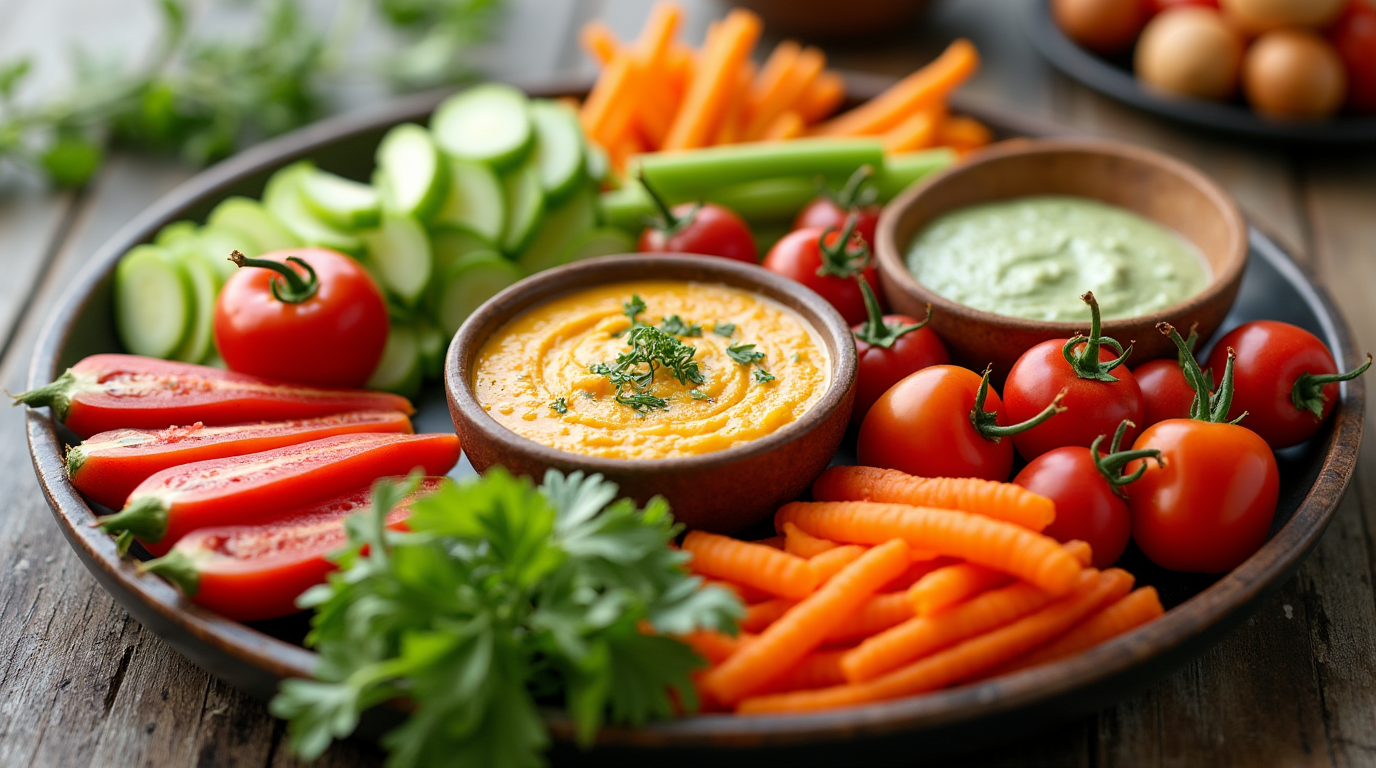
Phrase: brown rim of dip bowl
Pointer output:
(726, 490)
(1159, 188)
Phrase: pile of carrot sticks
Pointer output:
(657, 93)
(890, 585)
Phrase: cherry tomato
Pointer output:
(1279, 365)
(829, 269)
(1087, 489)
(1098, 390)
(1354, 35)
(890, 347)
(934, 424)
(308, 315)
(830, 211)
(1165, 392)
(706, 229)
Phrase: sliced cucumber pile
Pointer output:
(475, 201)
(469, 282)
(412, 173)
(399, 253)
(341, 202)
(154, 302)
(486, 124)
(399, 370)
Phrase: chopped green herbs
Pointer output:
(675, 325)
(724, 329)
(560, 406)
(651, 349)
(501, 598)
(745, 354)
(762, 376)
(633, 308)
(698, 394)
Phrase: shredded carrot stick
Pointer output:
(1138, 608)
(742, 562)
(805, 626)
(732, 128)
(607, 110)
(948, 586)
(709, 92)
(788, 125)
(819, 669)
(758, 616)
(714, 646)
(772, 75)
(923, 88)
(823, 97)
(955, 664)
(830, 563)
(803, 544)
(877, 614)
(748, 595)
(777, 542)
(981, 540)
(599, 42)
(914, 574)
(808, 64)
(1002, 501)
(963, 133)
(917, 131)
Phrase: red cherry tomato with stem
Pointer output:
(1098, 389)
(1165, 392)
(934, 424)
(1208, 506)
(1285, 380)
(829, 210)
(1354, 35)
(828, 262)
(706, 229)
(307, 315)
(889, 347)
(1087, 488)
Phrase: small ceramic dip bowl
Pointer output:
(723, 490)
(1156, 187)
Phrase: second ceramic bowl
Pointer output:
(722, 491)
(1150, 184)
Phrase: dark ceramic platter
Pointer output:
(1113, 77)
(254, 657)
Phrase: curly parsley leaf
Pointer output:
(724, 329)
(762, 376)
(677, 326)
(560, 406)
(745, 354)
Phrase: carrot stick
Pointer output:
(607, 110)
(803, 544)
(714, 646)
(599, 42)
(777, 542)
(819, 669)
(766, 568)
(1002, 501)
(981, 540)
(759, 616)
(732, 126)
(788, 125)
(1138, 608)
(803, 628)
(772, 75)
(830, 563)
(963, 133)
(878, 614)
(628, 145)
(784, 93)
(748, 595)
(709, 92)
(918, 131)
(822, 98)
(945, 587)
(924, 88)
(957, 663)
(914, 574)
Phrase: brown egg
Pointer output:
(1190, 51)
(1294, 73)
(1257, 16)
(1103, 26)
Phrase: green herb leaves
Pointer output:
(746, 354)
(724, 329)
(673, 324)
(560, 406)
(502, 595)
(652, 348)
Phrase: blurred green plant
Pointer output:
(204, 99)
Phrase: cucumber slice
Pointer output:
(341, 202)
(487, 123)
(558, 148)
(399, 369)
(176, 232)
(627, 208)
(284, 201)
(469, 282)
(595, 162)
(205, 287)
(414, 171)
(525, 203)
(432, 350)
(450, 243)
(213, 244)
(560, 225)
(154, 302)
(251, 218)
(475, 201)
(399, 251)
(606, 241)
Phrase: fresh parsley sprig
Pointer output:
(502, 597)
(651, 349)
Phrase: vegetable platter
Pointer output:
(1113, 77)
(256, 656)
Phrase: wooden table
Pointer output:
(81, 683)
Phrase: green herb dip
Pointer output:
(1033, 257)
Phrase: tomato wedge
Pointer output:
(105, 392)
(245, 489)
(256, 572)
(108, 466)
